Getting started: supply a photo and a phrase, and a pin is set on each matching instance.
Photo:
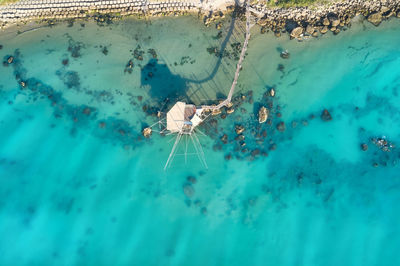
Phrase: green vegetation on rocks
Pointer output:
(5, 2)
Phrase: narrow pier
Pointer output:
(228, 100)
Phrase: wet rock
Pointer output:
(10, 59)
(1, 46)
(239, 129)
(364, 147)
(188, 190)
(129, 67)
(310, 29)
(335, 22)
(315, 34)
(203, 211)
(285, 54)
(326, 116)
(239, 137)
(216, 111)
(102, 125)
(147, 132)
(383, 144)
(262, 115)
(324, 30)
(375, 18)
(272, 92)
(224, 138)
(297, 32)
(281, 127)
(65, 62)
(230, 111)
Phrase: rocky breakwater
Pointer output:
(302, 22)
(62, 9)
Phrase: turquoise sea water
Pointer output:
(80, 186)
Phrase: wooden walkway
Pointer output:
(238, 66)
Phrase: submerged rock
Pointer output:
(364, 147)
(191, 179)
(326, 116)
(281, 126)
(188, 190)
(285, 54)
(262, 115)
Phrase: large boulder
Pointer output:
(375, 18)
(296, 32)
(324, 30)
(310, 29)
(262, 115)
(335, 22)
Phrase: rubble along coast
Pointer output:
(297, 21)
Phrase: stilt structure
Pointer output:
(182, 119)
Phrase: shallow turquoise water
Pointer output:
(80, 186)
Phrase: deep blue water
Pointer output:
(79, 185)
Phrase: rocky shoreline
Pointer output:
(299, 22)
(303, 21)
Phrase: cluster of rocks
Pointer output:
(383, 144)
(298, 21)
(303, 21)
(63, 9)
